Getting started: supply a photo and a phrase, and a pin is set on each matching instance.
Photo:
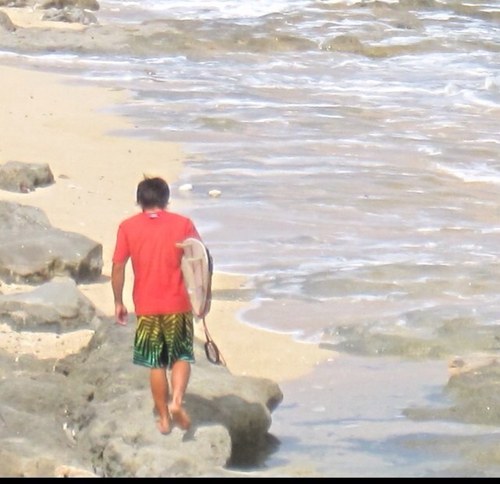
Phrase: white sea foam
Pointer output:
(472, 172)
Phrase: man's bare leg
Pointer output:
(159, 389)
(181, 372)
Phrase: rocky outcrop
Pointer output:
(115, 429)
(61, 4)
(71, 11)
(56, 306)
(93, 410)
(6, 23)
(16, 176)
(16, 3)
(70, 15)
(32, 251)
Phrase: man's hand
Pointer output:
(117, 283)
(121, 314)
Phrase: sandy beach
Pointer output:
(48, 118)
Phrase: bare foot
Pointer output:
(180, 418)
(164, 425)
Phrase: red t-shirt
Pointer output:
(149, 240)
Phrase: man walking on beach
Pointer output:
(164, 333)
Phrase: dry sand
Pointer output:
(49, 118)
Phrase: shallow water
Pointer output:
(349, 421)
(356, 147)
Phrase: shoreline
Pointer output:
(51, 118)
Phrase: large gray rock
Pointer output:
(16, 176)
(56, 306)
(92, 412)
(61, 4)
(32, 251)
(16, 3)
(70, 15)
(6, 23)
(119, 406)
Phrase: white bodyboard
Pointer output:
(197, 272)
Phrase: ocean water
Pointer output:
(356, 148)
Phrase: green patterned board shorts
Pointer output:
(161, 340)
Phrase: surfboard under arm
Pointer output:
(196, 268)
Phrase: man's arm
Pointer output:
(117, 283)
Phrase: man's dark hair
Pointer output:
(153, 192)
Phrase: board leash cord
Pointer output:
(211, 350)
